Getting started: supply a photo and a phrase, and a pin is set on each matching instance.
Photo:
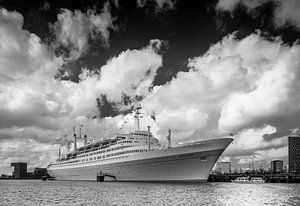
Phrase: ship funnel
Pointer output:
(85, 140)
(75, 142)
(137, 117)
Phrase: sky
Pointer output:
(204, 68)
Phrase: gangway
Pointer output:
(101, 175)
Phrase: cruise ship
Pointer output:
(138, 156)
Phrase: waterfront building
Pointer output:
(20, 170)
(39, 172)
(222, 167)
(294, 154)
(277, 166)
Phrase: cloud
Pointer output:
(131, 72)
(274, 153)
(243, 86)
(286, 12)
(252, 144)
(26, 150)
(41, 100)
(236, 85)
(36, 106)
(22, 48)
(160, 5)
(228, 5)
(253, 138)
(74, 29)
(24, 63)
(271, 72)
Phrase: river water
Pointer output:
(37, 192)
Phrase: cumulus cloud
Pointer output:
(41, 101)
(22, 48)
(238, 86)
(130, 73)
(286, 12)
(74, 29)
(24, 61)
(36, 106)
(253, 138)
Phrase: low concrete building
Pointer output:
(20, 170)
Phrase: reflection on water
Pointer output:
(36, 192)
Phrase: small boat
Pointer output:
(249, 180)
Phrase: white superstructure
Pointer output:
(138, 156)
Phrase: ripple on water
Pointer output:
(36, 192)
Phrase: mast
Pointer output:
(148, 138)
(169, 138)
(137, 117)
(75, 138)
(80, 127)
(59, 154)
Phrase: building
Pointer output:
(39, 172)
(277, 166)
(294, 154)
(20, 170)
(222, 167)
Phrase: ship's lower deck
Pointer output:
(194, 166)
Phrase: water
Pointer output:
(37, 192)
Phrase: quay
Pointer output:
(269, 178)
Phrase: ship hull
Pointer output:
(191, 163)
